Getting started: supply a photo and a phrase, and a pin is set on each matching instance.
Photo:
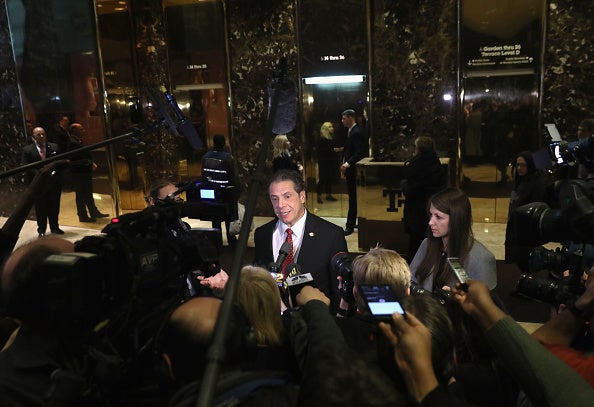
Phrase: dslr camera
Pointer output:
(342, 263)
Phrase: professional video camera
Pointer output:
(555, 289)
(558, 259)
(117, 288)
(573, 217)
(210, 201)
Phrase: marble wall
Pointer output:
(12, 131)
(257, 42)
(569, 65)
(413, 64)
(160, 161)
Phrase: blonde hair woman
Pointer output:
(259, 297)
(327, 162)
(281, 156)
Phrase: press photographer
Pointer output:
(571, 221)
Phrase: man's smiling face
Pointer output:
(288, 204)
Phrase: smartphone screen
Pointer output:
(381, 300)
(556, 152)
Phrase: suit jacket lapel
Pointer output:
(309, 238)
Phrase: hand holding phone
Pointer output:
(381, 301)
(459, 272)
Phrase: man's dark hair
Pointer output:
(156, 187)
(218, 141)
(289, 175)
(349, 112)
(343, 378)
(587, 124)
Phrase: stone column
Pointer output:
(151, 60)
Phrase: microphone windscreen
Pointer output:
(285, 248)
(188, 129)
(286, 108)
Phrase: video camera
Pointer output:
(573, 217)
(555, 289)
(117, 288)
(560, 153)
(210, 201)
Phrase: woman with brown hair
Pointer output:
(450, 235)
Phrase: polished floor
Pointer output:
(489, 200)
(489, 233)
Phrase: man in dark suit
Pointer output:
(314, 240)
(356, 147)
(47, 203)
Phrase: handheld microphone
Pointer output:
(283, 252)
(296, 281)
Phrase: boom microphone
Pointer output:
(181, 124)
(285, 91)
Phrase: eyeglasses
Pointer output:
(170, 198)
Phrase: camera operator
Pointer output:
(585, 131)
(565, 327)
(47, 350)
(164, 192)
(220, 169)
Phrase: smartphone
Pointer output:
(458, 270)
(556, 154)
(381, 301)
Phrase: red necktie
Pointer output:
(42, 152)
(289, 258)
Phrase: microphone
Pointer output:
(183, 187)
(183, 125)
(285, 113)
(296, 281)
(283, 252)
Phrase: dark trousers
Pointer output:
(82, 183)
(351, 181)
(47, 207)
(324, 186)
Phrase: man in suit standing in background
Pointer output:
(356, 147)
(314, 241)
(47, 203)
